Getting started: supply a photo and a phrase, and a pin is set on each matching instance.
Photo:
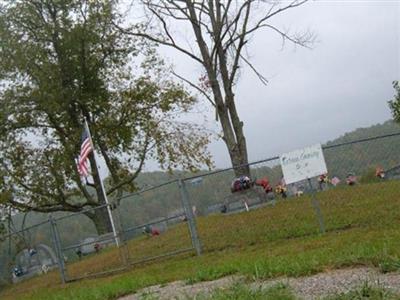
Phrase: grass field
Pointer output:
(362, 226)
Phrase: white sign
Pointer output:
(302, 164)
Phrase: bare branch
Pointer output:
(269, 15)
(159, 41)
(195, 86)
(129, 180)
(303, 40)
(259, 75)
(242, 42)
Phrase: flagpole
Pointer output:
(102, 185)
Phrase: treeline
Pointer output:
(359, 158)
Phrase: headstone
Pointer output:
(32, 261)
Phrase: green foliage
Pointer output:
(389, 264)
(211, 273)
(62, 61)
(394, 104)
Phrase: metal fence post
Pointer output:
(190, 217)
(123, 246)
(57, 246)
(317, 208)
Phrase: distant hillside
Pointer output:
(360, 157)
(387, 127)
(148, 179)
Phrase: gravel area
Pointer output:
(336, 282)
(311, 287)
(180, 290)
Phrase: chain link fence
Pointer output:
(71, 244)
(371, 161)
(170, 219)
(360, 161)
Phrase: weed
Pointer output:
(366, 291)
(244, 292)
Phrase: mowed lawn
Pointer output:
(362, 228)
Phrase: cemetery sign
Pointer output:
(303, 164)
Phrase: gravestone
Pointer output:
(33, 261)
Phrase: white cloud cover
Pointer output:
(315, 95)
(343, 83)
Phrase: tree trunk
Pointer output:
(232, 127)
(239, 155)
(101, 220)
(239, 158)
(234, 140)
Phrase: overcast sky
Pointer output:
(316, 95)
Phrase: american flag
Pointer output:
(86, 148)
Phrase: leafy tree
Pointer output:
(62, 61)
(395, 103)
(218, 33)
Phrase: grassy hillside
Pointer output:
(362, 229)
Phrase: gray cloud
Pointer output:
(315, 95)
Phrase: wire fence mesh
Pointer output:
(29, 252)
(169, 219)
(147, 216)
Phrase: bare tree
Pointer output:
(221, 30)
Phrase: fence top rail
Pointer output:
(83, 211)
(277, 157)
(361, 140)
(231, 168)
(6, 236)
(155, 222)
(95, 241)
(147, 190)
